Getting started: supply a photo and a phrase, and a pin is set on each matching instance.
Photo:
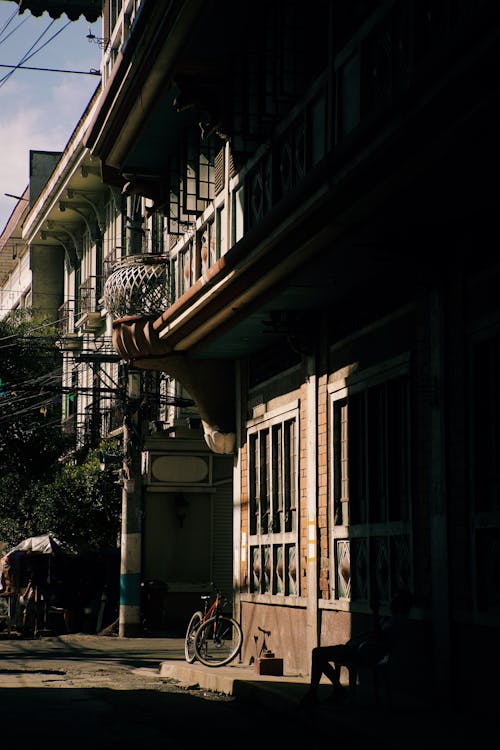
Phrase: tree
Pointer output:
(30, 403)
(81, 505)
(77, 501)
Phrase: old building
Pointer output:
(177, 496)
(29, 277)
(321, 175)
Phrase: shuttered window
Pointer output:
(273, 524)
(371, 486)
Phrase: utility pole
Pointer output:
(129, 622)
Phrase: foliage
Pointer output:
(17, 496)
(81, 506)
(30, 412)
(78, 502)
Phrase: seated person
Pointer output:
(366, 649)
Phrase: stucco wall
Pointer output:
(287, 640)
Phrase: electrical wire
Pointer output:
(7, 24)
(28, 56)
(51, 376)
(167, 400)
(51, 70)
(19, 393)
(39, 405)
(43, 387)
(35, 328)
(47, 324)
(35, 380)
(46, 347)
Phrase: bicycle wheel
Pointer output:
(218, 641)
(194, 623)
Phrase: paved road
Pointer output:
(100, 692)
(91, 691)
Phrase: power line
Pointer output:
(26, 56)
(7, 24)
(34, 328)
(20, 291)
(39, 405)
(50, 377)
(90, 72)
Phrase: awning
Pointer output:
(90, 9)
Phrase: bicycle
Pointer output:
(215, 639)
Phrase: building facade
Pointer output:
(320, 176)
(29, 278)
(177, 499)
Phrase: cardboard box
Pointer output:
(269, 666)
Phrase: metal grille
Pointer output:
(65, 317)
(89, 293)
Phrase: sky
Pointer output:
(38, 109)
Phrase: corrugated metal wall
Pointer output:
(222, 538)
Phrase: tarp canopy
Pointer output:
(45, 544)
(32, 559)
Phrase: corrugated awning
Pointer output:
(90, 9)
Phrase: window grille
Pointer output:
(273, 524)
(371, 484)
(485, 482)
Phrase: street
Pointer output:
(107, 693)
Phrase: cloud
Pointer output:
(34, 119)
(40, 109)
(72, 100)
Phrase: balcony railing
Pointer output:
(403, 47)
(109, 262)
(89, 432)
(112, 417)
(89, 293)
(65, 317)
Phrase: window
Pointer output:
(238, 214)
(273, 483)
(205, 246)
(220, 231)
(485, 480)
(186, 268)
(370, 488)
(111, 241)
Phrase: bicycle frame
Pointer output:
(212, 637)
(214, 609)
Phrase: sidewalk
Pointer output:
(403, 723)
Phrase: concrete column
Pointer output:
(438, 503)
(240, 549)
(129, 622)
(312, 501)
